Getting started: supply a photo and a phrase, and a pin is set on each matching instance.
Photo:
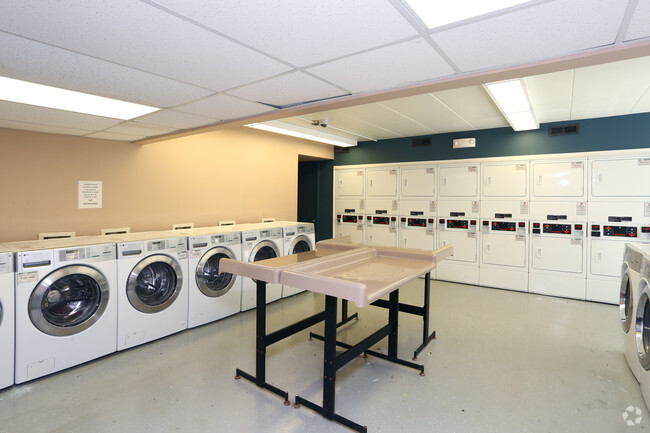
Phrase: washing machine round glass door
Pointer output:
(301, 244)
(208, 279)
(68, 300)
(625, 302)
(154, 283)
(262, 251)
(642, 328)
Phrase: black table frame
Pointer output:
(422, 311)
(331, 362)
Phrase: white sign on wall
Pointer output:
(90, 194)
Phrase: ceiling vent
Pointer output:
(421, 142)
(563, 129)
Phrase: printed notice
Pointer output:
(90, 194)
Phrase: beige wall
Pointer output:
(230, 174)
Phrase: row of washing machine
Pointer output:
(64, 302)
(635, 313)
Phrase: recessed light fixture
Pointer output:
(285, 128)
(510, 96)
(438, 13)
(24, 92)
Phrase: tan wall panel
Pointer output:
(230, 174)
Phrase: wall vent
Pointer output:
(421, 142)
(563, 129)
(341, 149)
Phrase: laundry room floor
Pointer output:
(502, 362)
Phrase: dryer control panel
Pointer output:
(349, 219)
(609, 230)
(457, 224)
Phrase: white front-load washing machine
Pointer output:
(298, 238)
(629, 296)
(642, 328)
(6, 317)
(153, 287)
(66, 304)
(260, 244)
(212, 296)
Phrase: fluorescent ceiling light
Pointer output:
(285, 128)
(24, 92)
(510, 96)
(438, 13)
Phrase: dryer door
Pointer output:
(300, 244)
(68, 300)
(154, 283)
(642, 328)
(208, 279)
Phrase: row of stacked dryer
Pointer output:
(552, 225)
(67, 301)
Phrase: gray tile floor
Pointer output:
(503, 362)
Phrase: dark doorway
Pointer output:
(308, 193)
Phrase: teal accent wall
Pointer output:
(608, 133)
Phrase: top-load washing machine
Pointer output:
(629, 296)
(260, 244)
(212, 295)
(153, 296)
(6, 317)
(642, 327)
(66, 304)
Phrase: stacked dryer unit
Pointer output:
(458, 214)
(349, 203)
(152, 270)
(504, 226)
(212, 295)
(7, 331)
(66, 304)
(381, 206)
(642, 326)
(260, 242)
(558, 220)
(417, 208)
(619, 212)
(629, 298)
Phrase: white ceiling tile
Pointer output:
(379, 115)
(39, 63)
(119, 137)
(223, 107)
(38, 127)
(384, 68)
(474, 105)
(430, 112)
(47, 116)
(138, 129)
(610, 89)
(287, 89)
(640, 24)
(298, 31)
(175, 119)
(643, 105)
(342, 120)
(138, 35)
(547, 30)
(550, 95)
